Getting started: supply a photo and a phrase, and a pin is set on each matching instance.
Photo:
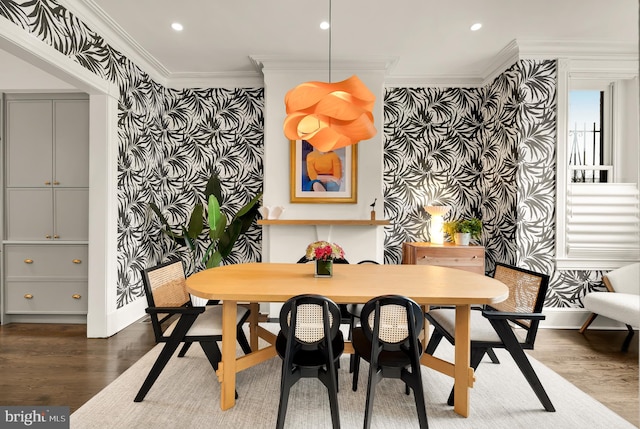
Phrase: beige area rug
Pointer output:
(187, 395)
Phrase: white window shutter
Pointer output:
(603, 221)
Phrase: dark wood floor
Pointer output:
(57, 365)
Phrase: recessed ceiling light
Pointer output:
(324, 25)
(177, 26)
(475, 27)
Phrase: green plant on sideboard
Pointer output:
(222, 233)
(471, 226)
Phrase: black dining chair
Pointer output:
(387, 338)
(492, 327)
(345, 317)
(310, 343)
(176, 321)
(353, 311)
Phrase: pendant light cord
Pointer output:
(330, 28)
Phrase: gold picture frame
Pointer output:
(323, 188)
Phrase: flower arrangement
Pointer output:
(324, 251)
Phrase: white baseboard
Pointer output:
(573, 318)
(120, 319)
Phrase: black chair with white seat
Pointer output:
(492, 327)
(176, 321)
(310, 343)
(345, 316)
(387, 338)
(353, 311)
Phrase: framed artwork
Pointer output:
(323, 177)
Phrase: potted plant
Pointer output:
(222, 233)
(461, 231)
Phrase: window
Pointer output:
(598, 219)
(589, 135)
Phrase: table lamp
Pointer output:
(435, 230)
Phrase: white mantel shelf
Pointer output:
(349, 222)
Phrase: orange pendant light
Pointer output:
(330, 115)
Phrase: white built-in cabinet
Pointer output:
(46, 204)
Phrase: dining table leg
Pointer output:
(254, 307)
(462, 371)
(228, 363)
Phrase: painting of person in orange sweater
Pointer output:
(322, 177)
(324, 170)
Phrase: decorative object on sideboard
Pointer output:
(222, 233)
(324, 253)
(435, 228)
(330, 115)
(461, 231)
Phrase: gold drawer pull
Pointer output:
(28, 296)
(55, 182)
(28, 261)
(76, 296)
(56, 236)
(475, 257)
(77, 261)
(47, 183)
(47, 236)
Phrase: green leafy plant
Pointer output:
(222, 233)
(472, 226)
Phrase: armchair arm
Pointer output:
(490, 314)
(175, 310)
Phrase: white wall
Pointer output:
(17, 75)
(628, 155)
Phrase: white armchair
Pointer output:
(621, 302)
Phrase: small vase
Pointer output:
(462, 238)
(324, 268)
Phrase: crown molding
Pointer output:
(507, 57)
(215, 80)
(291, 63)
(98, 20)
(576, 49)
(435, 81)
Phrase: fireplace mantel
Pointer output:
(347, 222)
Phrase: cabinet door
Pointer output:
(71, 143)
(71, 209)
(29, 214)
(29, 143)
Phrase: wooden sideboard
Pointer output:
(468, 258)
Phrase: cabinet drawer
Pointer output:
(464, 262)
(68, 261)
(69, 297)
(468, 258)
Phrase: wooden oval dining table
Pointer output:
(351, 283)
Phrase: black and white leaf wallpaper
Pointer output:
(488, 152)
(170, 141)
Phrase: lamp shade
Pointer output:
(330, 115)
(435, 231)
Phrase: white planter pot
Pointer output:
(462, 238)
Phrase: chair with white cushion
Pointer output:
(170, 302)
(621, 302)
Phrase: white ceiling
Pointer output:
(428, 38)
